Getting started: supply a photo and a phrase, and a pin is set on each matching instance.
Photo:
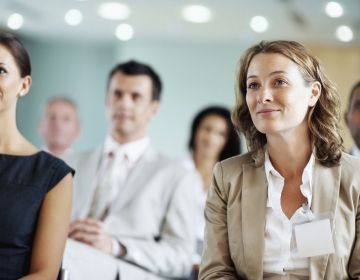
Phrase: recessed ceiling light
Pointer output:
(114, 11)
(73, 17)
(344, 33)
(124, 32)
(196, 13)
(334, 9)
(259, 24)
(15, 21)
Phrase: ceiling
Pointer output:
(303, 20)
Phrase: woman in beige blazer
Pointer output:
(289, 209)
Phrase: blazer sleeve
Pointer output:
(216, 260)
(170, 255)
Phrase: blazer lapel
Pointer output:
(254, 197)
(88, 180)
(325, 196)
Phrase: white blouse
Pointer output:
(281, 260)
(200, 195)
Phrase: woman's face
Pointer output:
(11, 84)
(211, 136)
(277, 96)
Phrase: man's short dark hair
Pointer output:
(354, 88)
(134, 68)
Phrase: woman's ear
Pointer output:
(315, 93)
(25, 86)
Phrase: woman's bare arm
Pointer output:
(51, 232)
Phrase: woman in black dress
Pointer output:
(35, 187)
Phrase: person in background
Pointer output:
(35, 187)
(290, 208)
(59, 126)
(352, 118)
(212, 138)
(133, 207)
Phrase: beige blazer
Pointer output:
(153, 216)
(235, 220)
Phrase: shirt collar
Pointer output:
(305, 188)
(269, 168)
(132, 150)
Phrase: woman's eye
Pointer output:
(253, 86)
(2, 71)
(280, 82)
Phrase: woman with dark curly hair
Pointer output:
(288, 209)
(212, 138)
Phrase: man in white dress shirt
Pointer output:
(352, 118)
(133, 208)
(59, 125)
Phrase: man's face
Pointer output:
(352, 117)
(130, 106)
(59, 126)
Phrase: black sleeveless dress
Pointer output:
(24, 182)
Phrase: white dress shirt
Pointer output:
(116, 164)
(121, 158)
(118, 161)
(280, 257)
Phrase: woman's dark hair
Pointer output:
(133, 68)
(18, 51)
(232, 144)
(352, 92)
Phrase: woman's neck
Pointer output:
(289, 155)
(11, 140)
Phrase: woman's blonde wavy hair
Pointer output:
(323, 118)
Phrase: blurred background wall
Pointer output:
(73, 69)
(197, 62)
(342, 64)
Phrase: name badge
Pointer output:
(314, 238)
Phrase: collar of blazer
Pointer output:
(326, 185)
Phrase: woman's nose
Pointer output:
(264, 95)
